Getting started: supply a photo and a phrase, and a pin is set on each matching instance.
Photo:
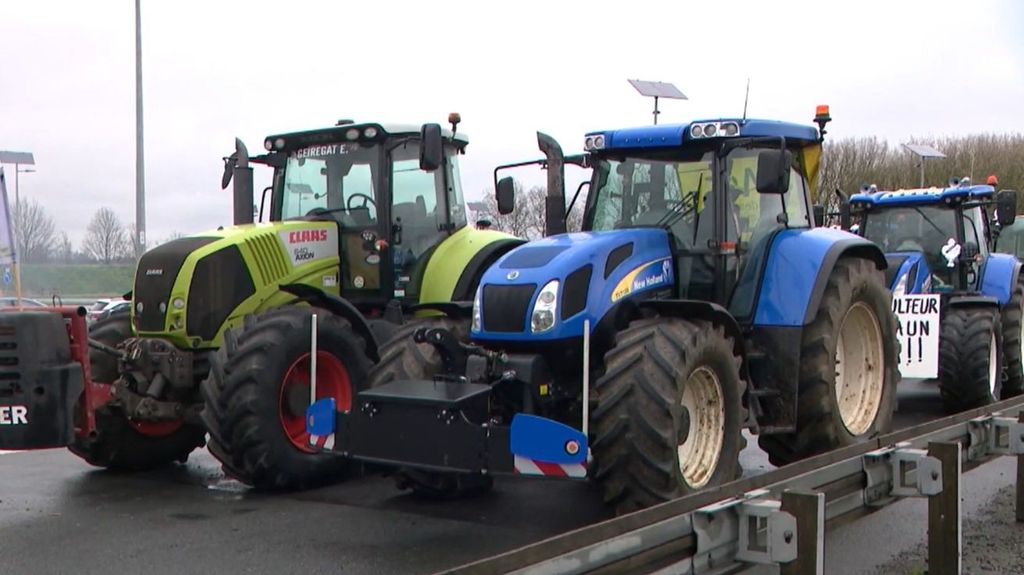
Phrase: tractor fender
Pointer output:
(465, 288)
(702, 310)
(972, 301)
(999, 276)
(797, 270)
(338, 306)
(459, 260)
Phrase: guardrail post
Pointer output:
(808, 507)
(1020, 479)
(944, 535)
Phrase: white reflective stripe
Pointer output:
(575, 470)
(329, 444)
(527, 466)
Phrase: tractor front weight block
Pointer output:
(444, 426)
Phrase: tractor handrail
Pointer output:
(848, 483)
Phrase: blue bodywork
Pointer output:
(542, 439)
(666, 135)
(796, 262)
(648, 268)
(999, 276)
(922, 196)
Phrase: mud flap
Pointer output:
(40, 385)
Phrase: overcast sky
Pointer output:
(216, 70)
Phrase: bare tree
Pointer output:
(525, 221)
(34, 231)
(105, 237)
(65, 250)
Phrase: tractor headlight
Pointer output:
(476, 311)
(543, 317)
(178, 303)
(901, 286)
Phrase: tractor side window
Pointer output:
(456, 201)
(974, 229)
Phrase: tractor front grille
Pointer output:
(154, 280)
(220, 283)
(505, 307)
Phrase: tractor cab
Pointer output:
(936, 240)
(720, 189)
(390, 189)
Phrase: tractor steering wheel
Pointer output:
(367, 201)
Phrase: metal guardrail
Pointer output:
(779, 518)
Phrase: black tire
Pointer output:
(401, 358)
(819, 424)
(965, 358)
(638, 422)
(242, 397)
(1013, 363)
(117, 444)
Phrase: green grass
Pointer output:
(44, 280)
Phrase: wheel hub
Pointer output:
(332, 380)
(701, 431)
(860, 372)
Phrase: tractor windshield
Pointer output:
(335, 177)
(677, 193)
(910, 228)
(646, 192)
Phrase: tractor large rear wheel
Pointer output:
(401, 358)
(121, 443)
(256, 396)
(969, 368)
(669, 414)
(848, 367)
(1013, 342)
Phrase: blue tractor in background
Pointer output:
(699, 300)
(958, 304)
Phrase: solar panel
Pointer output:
(22, 158)
(924, 151)
(657, 89)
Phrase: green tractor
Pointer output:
(366, 220)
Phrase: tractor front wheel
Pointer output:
(401, 358)
(256, 396)
(669, 414)
(969, 368)
(848, 367)
(121, 443)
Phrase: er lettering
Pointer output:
(13, 415)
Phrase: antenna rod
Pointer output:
(655, 110)
(746, 99)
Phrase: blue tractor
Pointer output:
(699, 300)
(958, 304)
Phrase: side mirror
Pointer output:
(1006, 207)
(505, 194)
(773, 171)
(819, 215)
(845, 218)
(229, 170)
(431, 147)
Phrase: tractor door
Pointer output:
(342, 183)
(751, 221)
(426, 208)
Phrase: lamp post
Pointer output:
(18, 170)
(140, 174)
(19, 159)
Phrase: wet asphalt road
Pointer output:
(57, 515)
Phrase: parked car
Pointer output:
(99, 307)
(25, 302)
(122, 306)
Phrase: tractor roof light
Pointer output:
(594, 142)
(822, 117)
(715, 129)
(268, 144)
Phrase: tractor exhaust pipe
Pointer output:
(242, 189)
(554, 202)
